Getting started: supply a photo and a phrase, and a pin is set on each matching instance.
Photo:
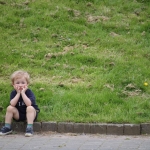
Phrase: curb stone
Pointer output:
(78, 128)
(145, 128)
(115, 129)
(61, 127)
(37, 126)
(132, 129)
(91, 128)
(69, 127)
(49, 126)
(98, 128)
(81, 128)
(19, 126)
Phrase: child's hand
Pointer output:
(17, 88)
(24, 89)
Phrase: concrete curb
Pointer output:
(90, 128)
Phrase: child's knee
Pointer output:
(30, 109)
(10, 108)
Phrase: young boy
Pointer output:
(22, 104)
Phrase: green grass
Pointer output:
(88, 60)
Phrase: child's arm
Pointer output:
(26, 100)
(14, 101)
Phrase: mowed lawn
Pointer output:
(89, 60)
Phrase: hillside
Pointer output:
(88, 60)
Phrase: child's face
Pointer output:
(20, 83)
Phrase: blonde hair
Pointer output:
(19, 74)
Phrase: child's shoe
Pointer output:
(4, 131)
(29, 132)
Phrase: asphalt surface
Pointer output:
(55, 141)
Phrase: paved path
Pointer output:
(52, 141)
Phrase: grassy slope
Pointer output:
(88, 60)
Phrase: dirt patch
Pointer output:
(131, 90)
(65, 51)
(94, 19)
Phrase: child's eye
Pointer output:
(23, 83)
